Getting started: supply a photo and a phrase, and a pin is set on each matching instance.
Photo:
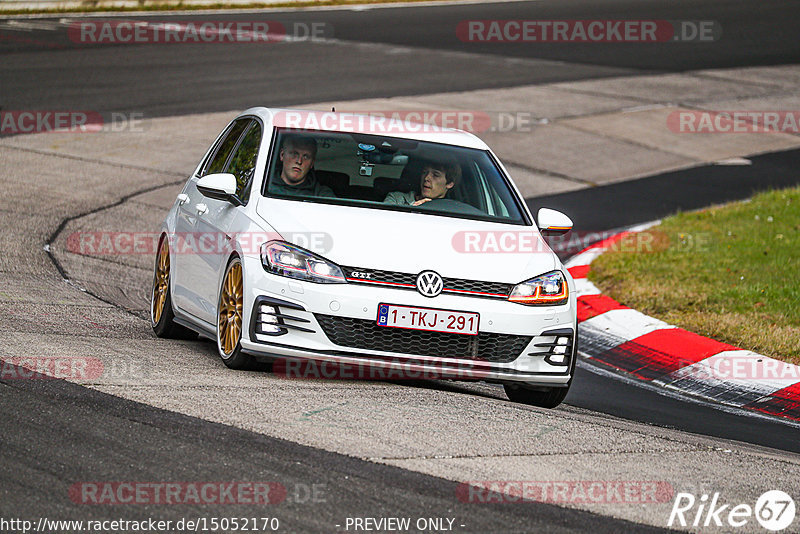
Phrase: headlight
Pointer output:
(546, 290)
(284, 259)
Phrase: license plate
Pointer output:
(430, 319)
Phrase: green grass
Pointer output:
(94, 7)
(729, 272)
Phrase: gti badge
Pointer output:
(429, 283)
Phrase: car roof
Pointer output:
(354, 123)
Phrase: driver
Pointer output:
(436, 181)
(297, 174)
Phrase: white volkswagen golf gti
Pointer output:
(358, 240)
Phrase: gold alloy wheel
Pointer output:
(160, 282)
(229, 323)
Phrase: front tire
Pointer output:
(162, 317)
(229, 318)
(544, 398)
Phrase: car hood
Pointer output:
(411, 242)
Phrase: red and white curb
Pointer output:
(647, 349)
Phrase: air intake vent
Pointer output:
(557, 346)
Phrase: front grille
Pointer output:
(386, 276)
(456, 286)
(365, 334)
(459, 284)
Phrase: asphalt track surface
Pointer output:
(54, 421)
(375, 53)
(600, 209)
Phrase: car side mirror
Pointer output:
(552, 222)
(220, 186)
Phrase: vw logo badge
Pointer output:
(429, 283)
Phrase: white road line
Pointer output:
(625, 323)
(30, 25)
(584, 287)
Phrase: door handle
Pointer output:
(201, 209)
(182, 199)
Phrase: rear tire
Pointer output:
(162, 317)
(230, 306)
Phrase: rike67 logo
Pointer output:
(774, 510)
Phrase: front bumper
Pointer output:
(515, 342)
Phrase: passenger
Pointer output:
(436, 181)
(297, 175)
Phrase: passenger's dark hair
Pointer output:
(300, 141)
(450, 168)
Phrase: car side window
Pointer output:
(217, 163)
(243, 162)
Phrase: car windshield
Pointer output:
(390, 173)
